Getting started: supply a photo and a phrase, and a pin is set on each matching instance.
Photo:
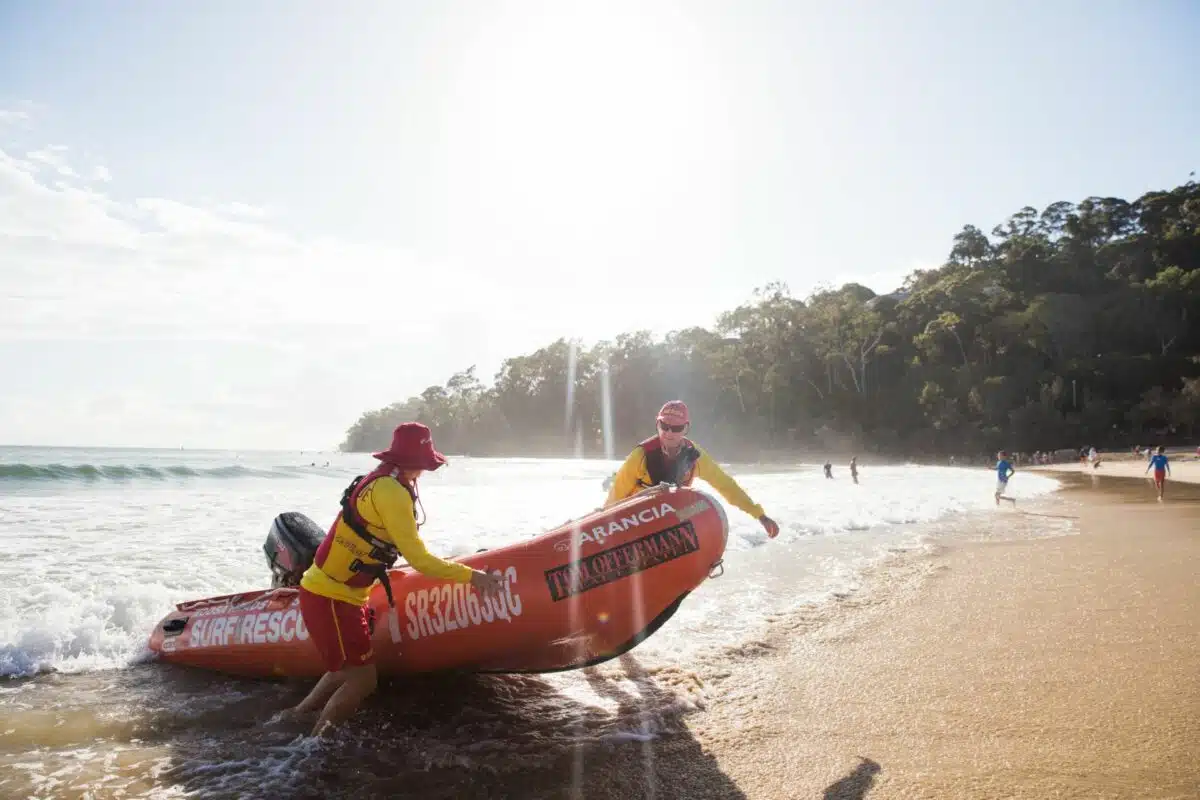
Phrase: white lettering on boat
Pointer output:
(598, 533)
(206, 608)
(695, 509)
(449, 607)
(264, 627)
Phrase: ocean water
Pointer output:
(99, 544)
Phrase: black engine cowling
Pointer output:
(291, 545)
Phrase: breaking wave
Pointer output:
(93, 473)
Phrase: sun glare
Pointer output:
(584, 119)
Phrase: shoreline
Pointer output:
(1120, 462)
(1031, 668)
(1053, 667)
(1182, 471)
(1043, 662)
(1061, 666)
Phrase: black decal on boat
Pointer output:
(621, 561)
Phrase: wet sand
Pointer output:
(1054, 668)
(1185, 469)
(1065, 667)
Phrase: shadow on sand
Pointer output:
(614, 731)
(855, 785)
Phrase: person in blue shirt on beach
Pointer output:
(1162, 468)
(1004, 471)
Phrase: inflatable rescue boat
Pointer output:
(575, 596)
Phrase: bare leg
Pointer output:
(357, 685)
(330, 682)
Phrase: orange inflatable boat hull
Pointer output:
(578, 595)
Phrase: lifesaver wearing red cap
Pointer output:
(680, 471)
(675, 412)
(383, 555)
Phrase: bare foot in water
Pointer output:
(323, 730)
(288, 716)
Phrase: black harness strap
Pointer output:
(384, 552)
(662, 470)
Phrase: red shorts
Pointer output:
(341, 631)
(1160, 476)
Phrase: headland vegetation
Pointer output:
(1073, 326)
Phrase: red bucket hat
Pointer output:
(412, 448)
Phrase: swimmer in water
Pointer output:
(1162, 468)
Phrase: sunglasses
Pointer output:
(672, 428)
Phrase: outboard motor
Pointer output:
(290, 547)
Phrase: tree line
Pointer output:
(1078, 324)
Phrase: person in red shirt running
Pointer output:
(1162, 468)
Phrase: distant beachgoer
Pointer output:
(670, 457)
(377, 523)
(828, 470)
(1162, 468)
(1004, 471)
(854, 468)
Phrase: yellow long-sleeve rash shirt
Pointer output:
(387, 509)
(633, 476)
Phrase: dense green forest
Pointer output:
(1071, 326)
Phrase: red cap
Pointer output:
(674, 412)
(412, 448)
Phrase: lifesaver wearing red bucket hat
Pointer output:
(412, 448)
(377, 523)
(670, 457)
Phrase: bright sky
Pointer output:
(241, 224)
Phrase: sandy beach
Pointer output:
(1184, 468)
(1064, 667)
(1057, 668)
